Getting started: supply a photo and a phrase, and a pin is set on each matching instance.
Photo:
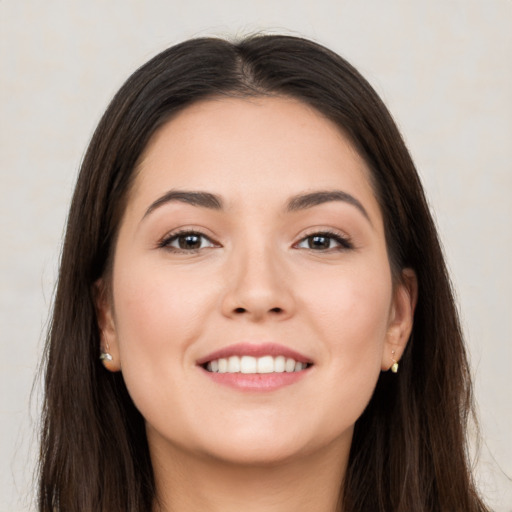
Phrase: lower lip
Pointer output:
(257, 381)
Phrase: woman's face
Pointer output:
(252, 243)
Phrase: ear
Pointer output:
(401, 318)
(106, 326)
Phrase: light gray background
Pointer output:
(443, 67)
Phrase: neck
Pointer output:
(186, 483)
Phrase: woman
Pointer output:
(253, 312)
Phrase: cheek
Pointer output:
(157, 317)
(351, 313)
(352, 319)
(155, 306)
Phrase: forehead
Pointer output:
(237, 148)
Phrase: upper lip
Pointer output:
(255, 350)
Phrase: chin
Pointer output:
(266, 446)
(257, 454)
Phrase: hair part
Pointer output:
(409, 446)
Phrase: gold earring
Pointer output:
(394, 366)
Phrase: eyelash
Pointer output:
(165, 243)
(344, 243)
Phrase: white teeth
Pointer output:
(266, 364)
(233, 364)
(289, 365)
(250, 364)
(223, 365)
(279, 364)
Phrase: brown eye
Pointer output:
(324, 242)
(319, 242)
(187, 242)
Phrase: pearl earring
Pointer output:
(106, 356)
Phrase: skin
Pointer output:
(255, 279)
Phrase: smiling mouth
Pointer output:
(255, 365)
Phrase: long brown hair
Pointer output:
(409, 447)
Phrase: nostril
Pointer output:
(240, 310)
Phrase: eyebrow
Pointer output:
(296, 203)
(202, 199)
(304, 201)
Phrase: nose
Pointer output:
(257, 288)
